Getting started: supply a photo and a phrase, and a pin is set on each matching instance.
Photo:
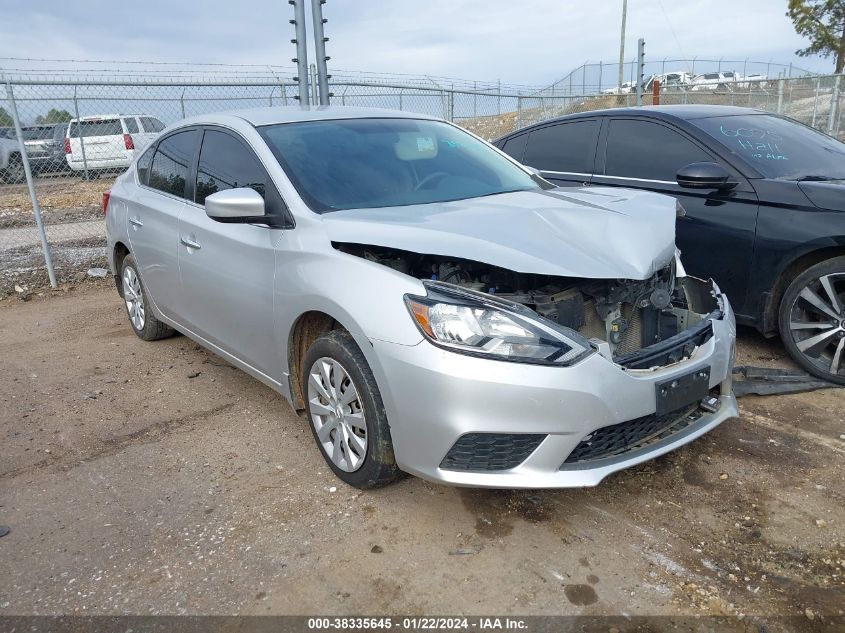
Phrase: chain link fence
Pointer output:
(79, 133)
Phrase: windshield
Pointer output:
(364, 163)
(778, 147)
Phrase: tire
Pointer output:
(15, 172)
(141, 318)
(811, 320)
(336, 356)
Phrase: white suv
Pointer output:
(108, 141)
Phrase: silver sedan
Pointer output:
(431, 305)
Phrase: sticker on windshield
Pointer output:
(756, 143)
(425, 144)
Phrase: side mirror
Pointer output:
(235, 205)
(704, 176)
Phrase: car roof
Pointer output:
(98, 117)
(683, 112)
(292, 114)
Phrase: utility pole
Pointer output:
(320, 40)
(622, 45)
(301, 59)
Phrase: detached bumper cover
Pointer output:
(447, 409)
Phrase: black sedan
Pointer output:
(764, 199)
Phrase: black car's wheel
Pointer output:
(812, 320)
(346, 412)
(144, 323)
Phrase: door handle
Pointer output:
(136, 222)
(190, 243)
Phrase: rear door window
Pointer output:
(98, 127)
(131, 125)
(144, 166)
(172, 163)
(565, 147)
(649, 151)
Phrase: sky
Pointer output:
(518, 42)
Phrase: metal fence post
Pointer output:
(36, 208)
(182, 101)
(780, 95)
(81, 136)
(816, 101)
(499, 97)
(834, 106)
(315, 97)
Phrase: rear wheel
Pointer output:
(15, 172)
(812, 320)
(144, 323)
(346, 412)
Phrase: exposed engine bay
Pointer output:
(621, 317)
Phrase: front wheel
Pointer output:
(144, 323)
(346, 412)
(812, 320)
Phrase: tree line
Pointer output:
(53, 116)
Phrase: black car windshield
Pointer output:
(778, 147)
(364, 163)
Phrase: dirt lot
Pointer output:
(153, 478)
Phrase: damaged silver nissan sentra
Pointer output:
(433, 306)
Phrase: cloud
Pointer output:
(518, 42)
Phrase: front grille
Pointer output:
(491, 451)
(617, 439)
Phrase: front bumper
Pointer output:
(434, 397)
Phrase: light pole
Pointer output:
(622, 45)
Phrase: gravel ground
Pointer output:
(151, 478)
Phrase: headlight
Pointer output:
(473, 323)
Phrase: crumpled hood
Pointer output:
(592, 232)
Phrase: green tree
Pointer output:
(6, 119)
(823, 23)
(54, 116)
